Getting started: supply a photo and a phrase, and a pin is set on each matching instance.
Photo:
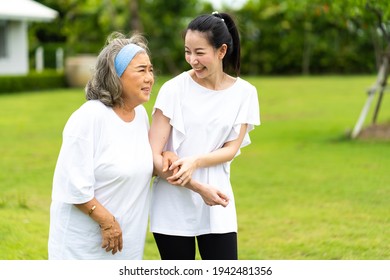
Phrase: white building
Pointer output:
(14, 18)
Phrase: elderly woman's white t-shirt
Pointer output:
(109, 159)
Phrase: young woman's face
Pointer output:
(203, 58)
(137, 80)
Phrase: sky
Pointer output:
(232, 3)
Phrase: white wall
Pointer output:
(16, 61)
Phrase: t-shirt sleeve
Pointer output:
(168, 101)
(74, 174)
(249, 113)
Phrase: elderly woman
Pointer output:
(101, 184)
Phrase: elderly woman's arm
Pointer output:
(109, 227)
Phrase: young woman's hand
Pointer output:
(212, 196)
(185, 166)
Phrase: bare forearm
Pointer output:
(158, 167)
(226, 153)
(110, 229)
(97, 212)
(219, 156)
(210, 195)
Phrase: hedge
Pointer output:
(32, 81)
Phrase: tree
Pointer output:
(380, 16)
(164, 22)
(278, 36)
(135, 23)
(283, 36)
(83, 26)
(306, 36)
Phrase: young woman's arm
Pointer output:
(188, 165)
(158, 137)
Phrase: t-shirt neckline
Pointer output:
(211, 90)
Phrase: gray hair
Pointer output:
(105, 85)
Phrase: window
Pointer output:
(3, 37)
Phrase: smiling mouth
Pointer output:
(199, 69)
(146, 89)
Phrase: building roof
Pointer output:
(25, 10)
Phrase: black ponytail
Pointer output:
(235, 55)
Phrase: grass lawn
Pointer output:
(303, 190)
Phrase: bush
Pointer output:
(32, 81)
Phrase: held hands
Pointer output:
(182, 171)
(168, 159)
(111, 236)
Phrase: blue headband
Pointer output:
(125, 56)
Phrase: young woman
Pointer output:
(204, 116)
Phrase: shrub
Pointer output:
(32, 81)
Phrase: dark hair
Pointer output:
(220, 29)
(105, 84)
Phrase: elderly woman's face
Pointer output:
(137, 80)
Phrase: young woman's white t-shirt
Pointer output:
(202, 121)
(109, 159)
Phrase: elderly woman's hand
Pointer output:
(111, 235)
(168, 159)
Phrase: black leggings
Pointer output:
(211, 246)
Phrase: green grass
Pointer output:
(303, 189)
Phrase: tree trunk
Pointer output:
(306, 53)
(135, 23)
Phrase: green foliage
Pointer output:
(163, 25)
(310, 37)
(32, 81)
(80, 26)
(278, 36)
(303, 190)
(83, 26)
